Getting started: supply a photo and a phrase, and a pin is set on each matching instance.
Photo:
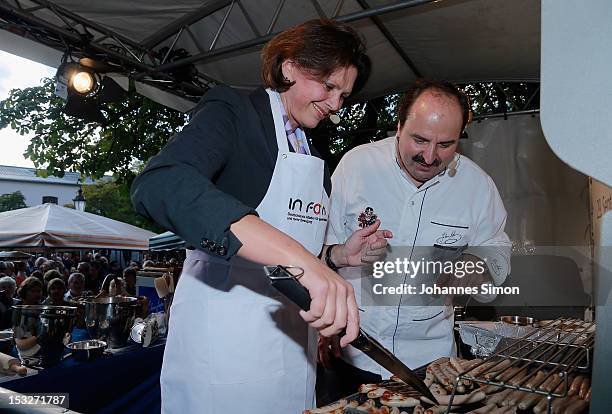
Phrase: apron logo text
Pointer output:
(316, 208)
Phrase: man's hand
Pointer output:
(333, 306)
(329, 347)
(366, 245)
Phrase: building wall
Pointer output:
(34, 192)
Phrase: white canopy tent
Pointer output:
(52, 226)
(458, 40)
(166, 241)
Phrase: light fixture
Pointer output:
(74, 78)
(78, 86)
(85, 88)
(79, 200)
(83, 82)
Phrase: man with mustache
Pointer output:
(427, 194)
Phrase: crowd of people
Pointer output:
(62, 280)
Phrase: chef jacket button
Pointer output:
(212, 246)
(205, 243)
(412, 203)
(221, 250)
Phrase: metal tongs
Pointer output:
(285, 280)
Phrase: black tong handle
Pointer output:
(286, 283)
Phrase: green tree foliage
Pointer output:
(12, 201)
(111, 198)
(502, 97)
(136, 130)
(138, 127)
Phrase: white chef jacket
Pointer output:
(452, 211)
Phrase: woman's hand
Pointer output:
(333, 306)
(366, 245)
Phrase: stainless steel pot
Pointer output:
(41, 332)
(87, 350)
(110, 318)
(518, 320)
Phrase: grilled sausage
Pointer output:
(439, 375)
(587, 397)
(456, 363)
(365, 388)
(499, 397)
(470, 364)
(473, 397)
(575, 385)
(377, 392)
(458, 366)
(530, 400)
(399, 402)
(483, 410)
(584, 388)
(577, 407)
(429, 378)
(436, 389)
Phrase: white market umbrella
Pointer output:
(166, 241)
(52, 226)
(14, 255)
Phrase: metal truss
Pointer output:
(148, 61)
(78, 37)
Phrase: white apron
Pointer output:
(235, 345)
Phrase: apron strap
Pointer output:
(279, 126)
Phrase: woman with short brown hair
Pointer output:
(319, 47)
(243, 185)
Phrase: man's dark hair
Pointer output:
(421, 85)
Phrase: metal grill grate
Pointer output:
(559, 348)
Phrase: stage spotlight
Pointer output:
(79, 86)
(85, 88)
(83, 82)
(73, 78)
